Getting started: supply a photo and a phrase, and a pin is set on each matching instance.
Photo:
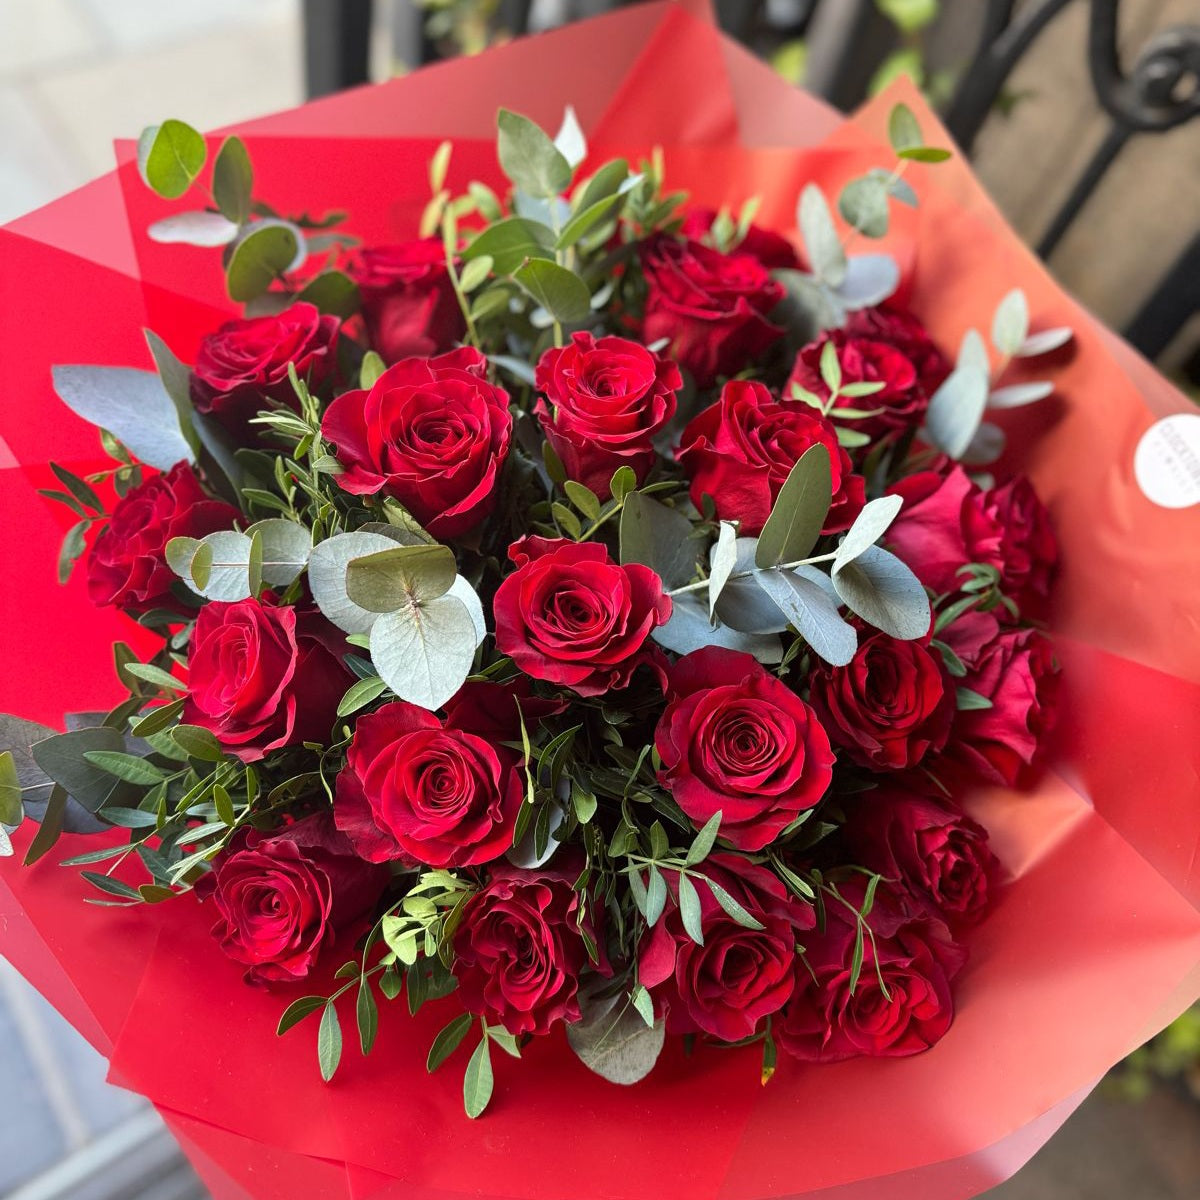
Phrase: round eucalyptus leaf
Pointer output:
(814, 615)
(690, 629)
(870, 279)
(170, 156)
(425, 652)
(286, 546)
(193, 229)
(614, 1041)
(267, 251)
(885, 593)
(327, 577)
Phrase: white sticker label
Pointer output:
(1166, 463)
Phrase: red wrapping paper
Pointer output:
(1096, 942)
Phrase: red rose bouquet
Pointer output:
(608, 619)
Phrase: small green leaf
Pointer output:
(643, 1004)
(113, 887)
(223, 803)
(73, 547)
(12, 811)
(586, 219)
(510, 242)
(656, 897)
(156, 719)
(559, 291)
(529, 157)
(372, 367)
(623, 482)
(333, 292)
(478, 1082)
(81, 490)
(885, 593)
(361, 694)
(155, 675)
(799, 511)
(1010, 325)
(689, 909)
(392, 579)
(448, 1040)
(583, 498)
(904, 131)
(233, 180)
(476, 272)
(872, 522)
(125, 766)
(198, 743)
(821, 239)
(863, 203)
(731, 907)
(259, 259)
(970, 701)
(703, 842)
(367, 1013)
(329, 1042)
(926, 154)
(831, 367)
(439, 164)
(170, 156)
(722, 561)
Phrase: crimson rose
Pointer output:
(607, 399)
(408, 302)
(738, 976)
(1028, 549)
(245, 364)
(262, 676)
(889, 706)
(711, 307)
(768, 247)
(418, 791)
(283, 896)
(518, 949)
(900, 329)
(740, 449)
(916, 957)
(736, 740)
(571, 616)
(433, 433)
(127, 565)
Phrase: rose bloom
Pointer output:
(711, 307)
(263, 676)
(768, 247)
(433, 433)
(416, 790)
(899, 329)
(889, 707)
(127, 565)
(738, 976)
(736, 740)
(740, 449)
(518, 950)
(408, 302)
(916, 956)
(571, 616)
(604, 401)
(1028, 549)
(244, 365)
(1015, 671)
(283, 896)
(938, 857)
(902, 398)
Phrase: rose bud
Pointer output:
(571, 616)
(1028, 549)
(740, 450)
(711, 307)
(736, 740)
(828, 1020)
(408, 301)
(899, 329)
(433, 433)
(417, 791)
(283, 896)
(726, 986)
(244, 365)
(1012, 669)
(518, 949)
(262, 676)
(889, 707)
(763, 244)
(604, 401)
(938, 856)
(127, 565)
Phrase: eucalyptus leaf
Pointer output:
(986, 446)
(233, 180)
(690, 629)
(391, 579)
(228, 575)
(863, 204)
(332, 292)
(904, 131)
(510, 242)
(262, 256)
(570, 141)
(170, 156)
(885, 593)
(869, 280)
(799, 510)
(12, 811)
(193, 229)
(327, 577)
(1010, 324)
(899, 189)
(821, 239)
(973, 353)
(18, 737)
(1019, 394)
(722, 559)
(869, 526)
(286, 547)
(1045, 341)
(658, 537)
(815, 616)
(559, 291)
(528, 156)
(425, 652)
(956, 409)
(615, 1042)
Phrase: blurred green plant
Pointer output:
(1174, 1055)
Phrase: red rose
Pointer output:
(944, 524)
(262, 676)
(767, 246)
(433, 433)
(736, 740)
(607, 399)
(889, 706)
(571, 616)
(740, 450)
(127, 565)
(419, 791)
(518, 950)
(711, 307)
(933, 853)
(245, 364)
(916, 957)
(1014, 670)
(1028, 549)
(283, 896)
(902, 398)
(904, 332)
(738, 976)
(408, 302)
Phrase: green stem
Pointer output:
(788, 566)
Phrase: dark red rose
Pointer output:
(889, 706)
(902, 398)
(738, 976)
(900, 329)
(518, 950)
(245, 364)
(1028, 549)
(944, 524)
(434, 433)
(934, 854)
(571, 616)
(740, 450)
(827, 1021)
(711, 307)
(420, 791)
(262, 676)
(767, 246)
(1014, 670)
(284, 896)
(408, 302)
(736, 740)
(127, 565)
(607, 399)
